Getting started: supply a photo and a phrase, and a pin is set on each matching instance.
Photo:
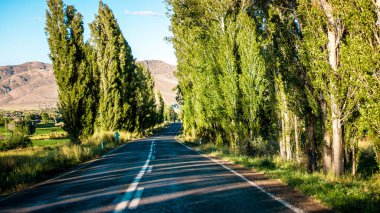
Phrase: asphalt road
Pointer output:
(156, 174)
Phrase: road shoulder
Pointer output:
(275, 187)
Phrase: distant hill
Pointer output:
(31, 86)
(164, 78)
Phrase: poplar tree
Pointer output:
(64, 28)
(117, 73)
(366, 26)
(90, 101)
(332, 44)
(146, 112)
(160, 108)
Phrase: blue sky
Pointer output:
(143, 22)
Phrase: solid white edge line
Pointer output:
(136, 200)
(290, 206)
(128, 194)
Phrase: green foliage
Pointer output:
(45, 118)
(19, 135)
(145, 102)
(91, 92)
(100, 85)
(15, 141)
(160, 109)
(117, 73)
(64, 28)
(221, 71)
(4, 120)
(170, 114)
(253, 73)
(22, 127)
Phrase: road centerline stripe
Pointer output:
(136, 200)
(128, 194)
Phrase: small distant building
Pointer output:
(175, 107)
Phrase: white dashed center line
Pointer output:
(136, 200)
(123, 203)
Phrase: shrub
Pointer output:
(22, 127)
(15, 141)
(45, 118)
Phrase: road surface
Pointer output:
(156, 174)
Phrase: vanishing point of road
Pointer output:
(154, 174)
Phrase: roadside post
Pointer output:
(117, 136)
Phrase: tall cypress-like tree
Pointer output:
(90, 101)
(117, 73)
(160, 108)
(145, 99)
(64, 28)
(319, 58)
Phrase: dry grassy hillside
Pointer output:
(32, 86)
(27, 86)
(164, 78)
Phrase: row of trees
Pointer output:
(302, 75)
(101, 87)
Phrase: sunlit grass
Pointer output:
(21, 167)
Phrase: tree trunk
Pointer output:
(327, 152)
(334, 34)
(282, 141)
(310, 147)
(337, 143)
(285, 128)
(287, 136)
(297, 143)
(377, 4)
(353, 160)
(326, 148)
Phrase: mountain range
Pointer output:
(32, 86)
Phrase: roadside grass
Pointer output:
(22, 167)
(345, 194)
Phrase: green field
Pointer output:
(45, 135)
(50, 142)
(3, 131)
(42, 129)
(49, 135)
(47, 129)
